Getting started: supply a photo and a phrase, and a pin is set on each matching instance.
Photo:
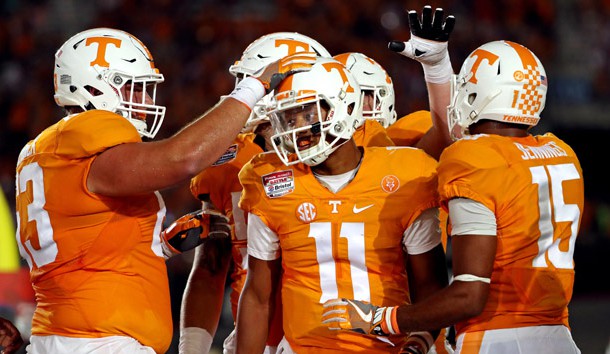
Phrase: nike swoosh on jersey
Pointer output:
(359, 210)
(366, 317)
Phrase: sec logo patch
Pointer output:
(306, 212)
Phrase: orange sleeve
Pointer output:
(409, 129)
(92, 132)
(372, 133)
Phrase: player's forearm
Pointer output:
(252, 324)
(199, 144)
(437, 137)
(454, 304)
(202, 302)
(138, 168)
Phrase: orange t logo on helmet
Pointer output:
(101, 49)
(481, 55)
(340, 68)
(293, 46)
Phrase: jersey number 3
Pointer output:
(39, 247)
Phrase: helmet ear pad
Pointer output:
(501, 81)
(108, 69)
(336, 99)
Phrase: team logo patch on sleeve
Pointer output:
(227, 156)
(278, 183)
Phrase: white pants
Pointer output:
(229, 346)
(284, 347)
(524, 340)
(69, 345)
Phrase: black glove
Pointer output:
(428, 43)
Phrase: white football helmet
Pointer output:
(502, 81)
(262, 52)
(92, 67)
(303, 96)
(373, 79)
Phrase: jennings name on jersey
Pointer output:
(345, 244)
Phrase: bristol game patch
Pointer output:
(227, 156)
(278, 183)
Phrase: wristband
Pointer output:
(470, 277)
(194, 340)
(249, 91)
(390, 323)
(434, 59)
(439, 73)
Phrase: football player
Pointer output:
(219, 185)
(336, 213)
(515, 202)
(379, 99)
(378, 110)
(88, 211)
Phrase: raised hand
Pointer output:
(274, 73)
(428, 43)
(359, 316)
(431, 27)
(192, 229)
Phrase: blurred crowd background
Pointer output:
(195, 41)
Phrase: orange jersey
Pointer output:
(372, 133)
(96, 263)
(344, 244)
(534, 186)
(409, 129)
(220, 181)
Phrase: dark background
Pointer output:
(195, 42)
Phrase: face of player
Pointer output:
(368, 103)
(136, 94)
(305, 120)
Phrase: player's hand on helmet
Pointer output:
(359, 316)
(274, 73)
(429, 36)
(192, 229)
